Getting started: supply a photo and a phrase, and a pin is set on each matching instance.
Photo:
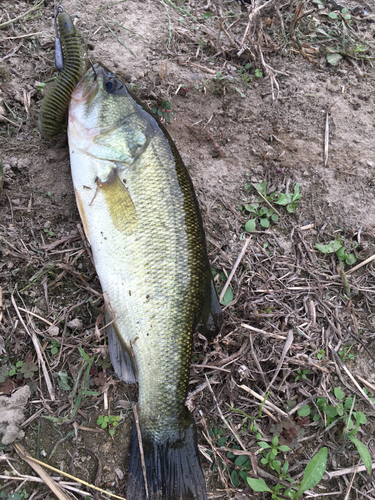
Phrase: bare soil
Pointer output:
(230, 131)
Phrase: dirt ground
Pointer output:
(234, 127)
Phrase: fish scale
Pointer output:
(142, 220)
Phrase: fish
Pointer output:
(70, 64)
(141, 217)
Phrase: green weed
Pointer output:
(163, 111)
(338, 247)
(19, 495)
(345, 353)
(341, 412)
(54, 346)
(48, 232)
(110, 422)
(288, 200)
(262, 213)
(244, 74)
(301, 374)
(80, 388)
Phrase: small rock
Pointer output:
(370, 163)
(243, 372)
(12, 414)
(75, 324)
(119, 473)
(53, 330)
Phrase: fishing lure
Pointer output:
(70, 64)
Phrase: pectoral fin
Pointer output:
(120, 205)
(82, 214)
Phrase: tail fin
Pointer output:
(172, 466)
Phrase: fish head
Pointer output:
(104, 121)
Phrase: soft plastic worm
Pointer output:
(70, 62)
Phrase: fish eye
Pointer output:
(112, 86)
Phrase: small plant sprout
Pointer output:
(270, 452)
(54, 346)
(163, 111)
(219, 76)
(262, 214)
(261, 206)
(15, 368)
(244, 75)
(337, 247)
(345, 353)
(270, 457)
(110, 422)
(320, 354)
(301, 374)
(288, 200)
(48, 232)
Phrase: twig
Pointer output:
(10, 55)
(223, 418)
(54, 487)
(217, 462)
(308, 226)
(236, 264)
(343, 472)
(215, 142)
(85, 242)
(268, 203)
(263, 332)
(1, 307)
(37, 347)
(326, 141)
(213, 367)
(233, 42)
(54, 244)
(363, 394)
(261, 398)
(136, 421)
(208, 70)
(360, 341)
(370, 259)
(20, 36)
(252, 14)
(366, 382)
(256, 360)
(169, 23)
(117, 38)
(34, 479)
(351, 482)
(28, 458)
(287, 345)
(22, 15)
(36, 316)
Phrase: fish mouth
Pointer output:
(91, 82)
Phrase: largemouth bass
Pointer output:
(142, 219)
